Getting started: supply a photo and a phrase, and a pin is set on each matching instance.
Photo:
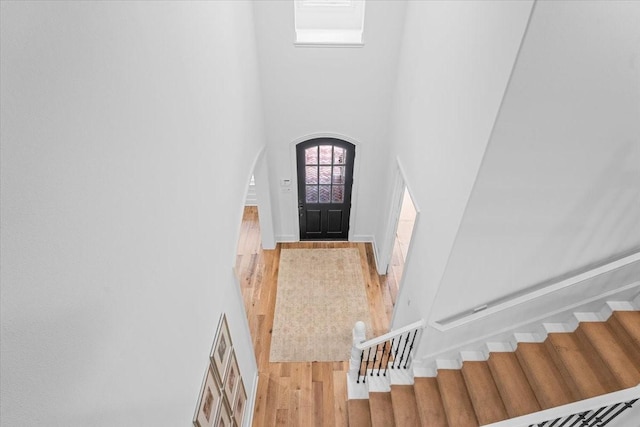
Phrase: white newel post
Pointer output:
(359, 335)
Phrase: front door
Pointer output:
(325, 178)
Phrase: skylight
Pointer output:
(329, 22)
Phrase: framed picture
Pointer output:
(231, 378)
(221, 350)
(239, 403)
(208, 402)
(224, 415)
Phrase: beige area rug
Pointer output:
(321, 294)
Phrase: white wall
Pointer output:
(128, 133)
(556, 190)
(336, 91)
(455, 62)
(559, 188)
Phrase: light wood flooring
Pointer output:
(307, 393)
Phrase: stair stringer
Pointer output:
(538, 334)
(537, 331)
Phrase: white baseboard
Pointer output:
(367, 238)
(248, 421)
(286, 238)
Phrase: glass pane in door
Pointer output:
(311, 194)
(325, 194)
(325, 174)
(311, 155)
(326, 152)
(311, 175)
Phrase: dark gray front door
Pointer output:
(325, 178)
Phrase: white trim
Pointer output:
(473, 356)
(260, 173)
(327, 44)
(571, 408)
(420, 324)
(561, 320)
(445, 325)
(448, 364)
(286, 238)
(400, 376)
(393, 219)
(294, 176)
(559, 328)
(248, 420)
(400, 185)
(377, 384)
(529, 337)
(499, 347)
(368, 238)
(247, 330)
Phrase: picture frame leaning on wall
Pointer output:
(239, 403)
(209, 401)
(224, 415)
(221, 350)
(231, 378)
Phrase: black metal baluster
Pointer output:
(625, 406)
(590, 418)
(594, 416)
(411, 348)
(375, 356)
(366, 366)
(555, 422)
(404, 349)
(389, 356)
(395, 357)
(579, 418)
(384, 344)
(610, 409)
(567, 420)
(360, 367)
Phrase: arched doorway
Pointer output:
(325, 179)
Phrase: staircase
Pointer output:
(597, 358)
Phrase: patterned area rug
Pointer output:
(321, 294)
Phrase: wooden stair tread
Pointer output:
(612, 353)
(544, 377)
(429, 402)
(455, 398)
(575, 366)
(627, 325)
(381, 409)
(598, 358)
(483, 392)
(405, 408)
(516, 393)
(359, 413)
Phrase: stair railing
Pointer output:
(393, 350)
(597, 411)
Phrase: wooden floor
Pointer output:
(308, 393)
